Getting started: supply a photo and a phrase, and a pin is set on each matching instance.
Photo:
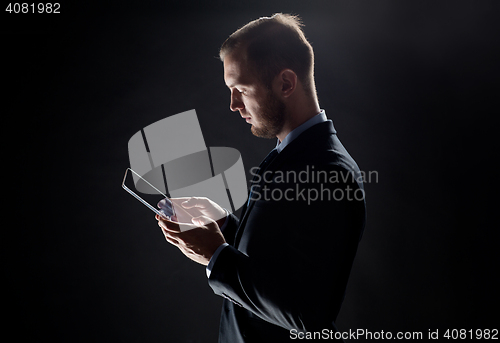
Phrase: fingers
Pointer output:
(174, 227)
(202, 221)
(179, 201)
(167, 224)
(194, 202)
(185, 212)
(170, 239)
(164, 203)
(166, 207)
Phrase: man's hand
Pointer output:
(188, 208)
(197, 241)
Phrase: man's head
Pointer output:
(266, 62)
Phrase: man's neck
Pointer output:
(298, 115)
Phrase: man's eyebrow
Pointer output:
(232, 85)
(233, 81)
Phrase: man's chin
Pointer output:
(262, 132)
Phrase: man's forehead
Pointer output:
(236, 69)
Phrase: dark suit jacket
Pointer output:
(289, 259)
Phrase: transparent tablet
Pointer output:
(151, 198)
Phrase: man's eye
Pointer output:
(239, 90)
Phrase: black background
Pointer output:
(412, 88)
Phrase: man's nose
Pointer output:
(236, 103)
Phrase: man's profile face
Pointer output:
(257, 104)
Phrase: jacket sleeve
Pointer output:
(294, 258)
(230, 227)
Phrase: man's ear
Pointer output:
(287, 81)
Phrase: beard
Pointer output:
(272, 117)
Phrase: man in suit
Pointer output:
(284, 265)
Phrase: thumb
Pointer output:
(190, 203)
(202, 221)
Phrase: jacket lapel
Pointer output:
(272, 167)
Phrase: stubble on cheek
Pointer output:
(271, 118)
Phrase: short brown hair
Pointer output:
(273, 44)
